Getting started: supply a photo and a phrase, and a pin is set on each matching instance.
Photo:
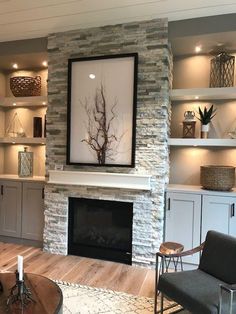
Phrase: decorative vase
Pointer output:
(205, 130)
(38, 130)
(25, 163)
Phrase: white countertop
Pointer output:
(197, 189)
(14, 177)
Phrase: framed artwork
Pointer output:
(102, 95)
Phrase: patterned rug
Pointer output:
(78, 299)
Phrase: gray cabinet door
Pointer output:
(33, 211)
(10, 208)
(219, 214)
(183, 221)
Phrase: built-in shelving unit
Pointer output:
(202, 142)
(14, 177)
(25, 109)
(34, 101)
(191, 91)
(23, 140)
(219, 93)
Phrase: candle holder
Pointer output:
(19, 294)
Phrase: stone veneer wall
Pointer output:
(150, 40)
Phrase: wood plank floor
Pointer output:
(86, 271)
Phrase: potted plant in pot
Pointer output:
(205, 117)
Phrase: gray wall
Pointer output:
(150, 40)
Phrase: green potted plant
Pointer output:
(205, 116)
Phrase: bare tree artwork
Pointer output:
(101, 137)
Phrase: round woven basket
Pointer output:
(219, 178)
(23, 86)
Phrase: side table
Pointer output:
(166, 249)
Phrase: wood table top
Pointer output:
(167, 248)
(45, 292)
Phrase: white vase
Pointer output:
(205, 130)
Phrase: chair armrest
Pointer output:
(184, 253)
(227, 287)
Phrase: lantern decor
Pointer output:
(222, 70)
(189, 124)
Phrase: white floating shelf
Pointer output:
(23, 140)
(101, 179)
(202, 142)
(217, 93)
(34, 101)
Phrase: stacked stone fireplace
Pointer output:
(150, 40)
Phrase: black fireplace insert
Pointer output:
(100, 229)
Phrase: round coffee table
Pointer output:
(45, 292)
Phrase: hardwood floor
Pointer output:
(85, 271)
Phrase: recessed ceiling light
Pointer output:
(198, 49)
(92, 76)
(15, 66)
(44, 103)
(13, 142)
(14, 104)
(196, 97)
(45, 63)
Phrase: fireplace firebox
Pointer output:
(100, 229)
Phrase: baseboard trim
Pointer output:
(27, 242)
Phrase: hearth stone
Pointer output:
(145, 221)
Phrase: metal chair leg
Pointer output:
(156, 283)
(220, 302)
(181, 263)
(162, 304)
(231, 303)
(231, 293)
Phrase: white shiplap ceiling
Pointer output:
(23, 19)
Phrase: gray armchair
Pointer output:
(200, 291)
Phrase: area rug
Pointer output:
(79, 299)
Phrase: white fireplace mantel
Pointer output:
(101, 179)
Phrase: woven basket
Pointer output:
(219, 178)
(23, 86)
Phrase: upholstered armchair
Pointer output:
(211, 288)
